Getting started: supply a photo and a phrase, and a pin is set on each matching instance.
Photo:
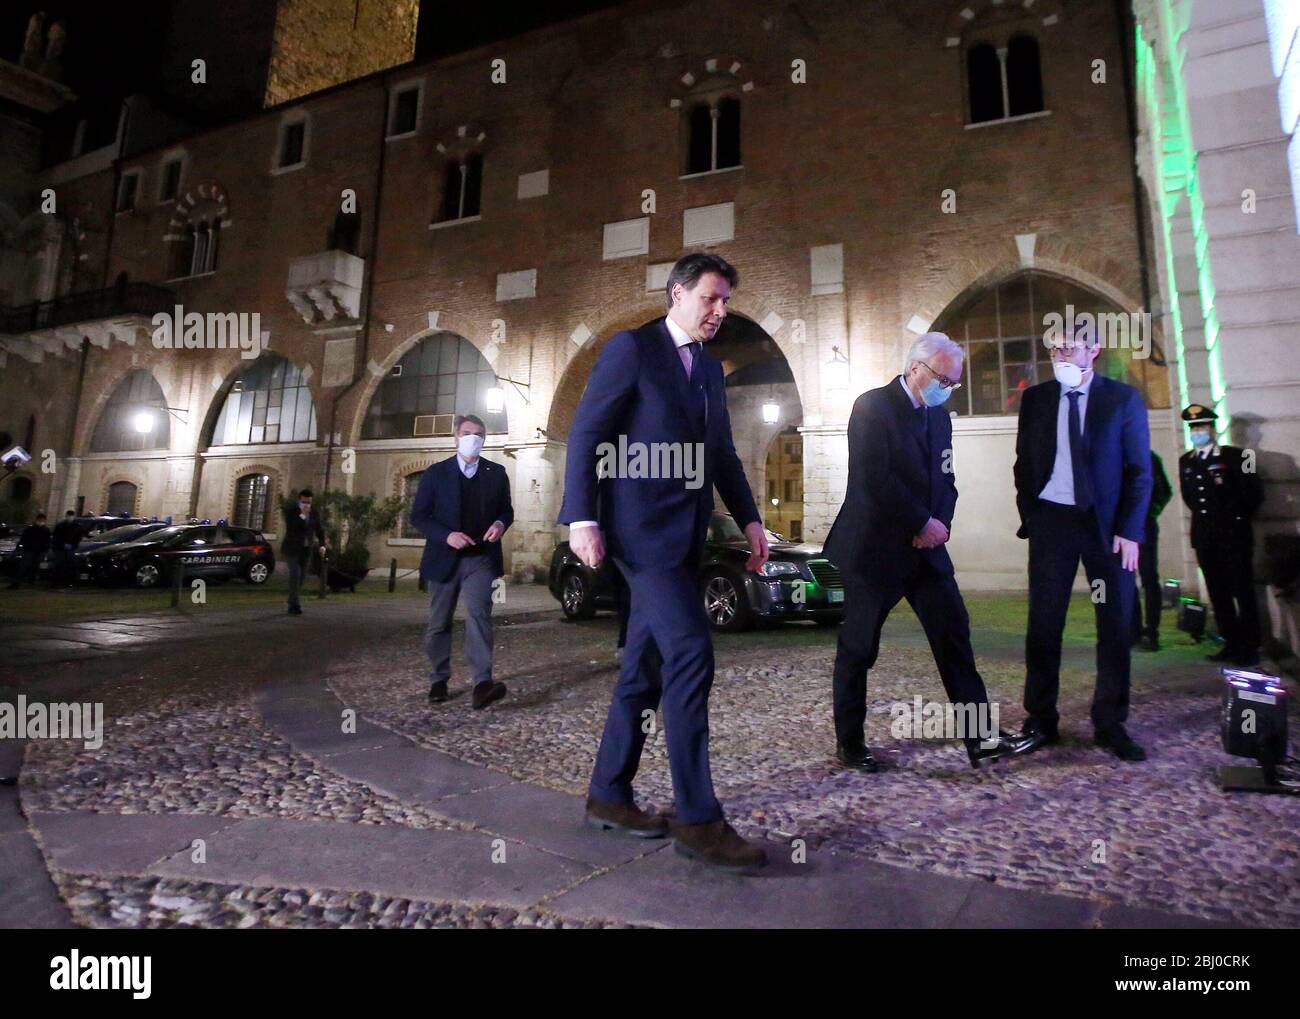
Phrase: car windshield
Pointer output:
(165, 533)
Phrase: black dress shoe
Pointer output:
(438, 692)
(1121, 744)
(1224, 654)
(488, 692)
(1006, 745)
(1044, 735)
(295, 610)
(1149, 643)
(855, 755)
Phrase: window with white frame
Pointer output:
(713, 134)
(195, 253)
(1004, 79)
(462, 188)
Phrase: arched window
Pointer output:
(135, 418)
(462, 188)
(984, 82)
(252, 500)
(1002, 328)
(195, 251)
(121, 498)
(713, 134)
(410, 485)
(443, 374)
(1024, 77)
(269, 402)
(1004, 81)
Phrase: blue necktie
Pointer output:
(695, 382)
(1082, 481)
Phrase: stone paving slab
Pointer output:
(28, 897)
(434, 865)
(89, 843)
(546, 819)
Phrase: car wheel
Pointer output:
(147, 575)
(576, 597)
(725, 603)
(257, 573)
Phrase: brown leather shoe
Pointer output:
(486, 693)
(718, 845)
(629, 820)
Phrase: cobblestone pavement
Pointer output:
(165, 902)
(184, 736)
(1070, 819)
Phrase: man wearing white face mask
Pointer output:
(463, 507)
(1083, 484)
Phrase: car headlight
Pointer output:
(778, 568)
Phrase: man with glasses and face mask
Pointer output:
(463, 507)
(1083, 483)
(889, 541)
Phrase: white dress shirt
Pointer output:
(1060, 486)
(681, 338)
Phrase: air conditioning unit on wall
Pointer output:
(433, 424)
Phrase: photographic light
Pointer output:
(771, 413)
(495, 398)
(144, 422)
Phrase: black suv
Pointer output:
(797, 582)
(208, 551)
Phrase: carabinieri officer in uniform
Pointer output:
(1220, 486)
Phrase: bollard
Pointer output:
(180, 582)
(392, 576)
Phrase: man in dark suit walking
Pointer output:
(1083, 483)
(303, 537)
(652, 389)
(463, 507)
(889, 541)
(33, 544)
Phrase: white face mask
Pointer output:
(1068, 375)
(469, 446)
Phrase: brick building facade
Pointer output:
(525, 202)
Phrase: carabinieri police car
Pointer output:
(209, 551)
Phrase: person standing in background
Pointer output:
(303, 535)
(1148, 638)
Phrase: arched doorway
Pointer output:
(1002, 325)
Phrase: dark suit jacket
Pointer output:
(893, 487)
(299, 532)
(1118, 445)
(436, 513)
(638, 389)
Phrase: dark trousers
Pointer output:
(622, 604)
(1148, 579)
(937, 602)
(1059, 537)
(1230, 580)
(668, 658)
(65, 567)
(29, 568)
(298, 565)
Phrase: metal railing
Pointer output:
(90, 306)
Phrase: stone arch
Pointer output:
(573, 377)
(377, 371)
(130, 475)
(968, 13)
(90, 422)
(275, 490)
(212, 413)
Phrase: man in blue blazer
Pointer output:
(653, 391)
(463, 507)
(1083, 482)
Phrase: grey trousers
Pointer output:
(473, 576)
